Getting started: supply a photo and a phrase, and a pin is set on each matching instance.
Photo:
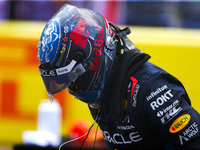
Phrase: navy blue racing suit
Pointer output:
(158, 114)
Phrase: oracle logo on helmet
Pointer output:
(47, 73)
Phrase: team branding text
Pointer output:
(161, 100)
(98, 43)
(179, 123)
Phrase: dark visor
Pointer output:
(56, 80)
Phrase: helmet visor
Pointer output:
(56, 80)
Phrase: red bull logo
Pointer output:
(79, 34)
(98, 43)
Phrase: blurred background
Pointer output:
(167, 30)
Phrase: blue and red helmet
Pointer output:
(73, 53)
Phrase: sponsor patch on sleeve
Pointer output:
(179, 123)
(189, 133)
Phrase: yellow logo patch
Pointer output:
(179, 123)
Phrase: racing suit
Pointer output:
(158, 114)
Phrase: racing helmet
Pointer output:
(76, 52)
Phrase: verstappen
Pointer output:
(136, 104)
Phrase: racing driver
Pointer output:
(136, 104)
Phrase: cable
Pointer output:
(87, 133)
(95, 137)
(72, 140)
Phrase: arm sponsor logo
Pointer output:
(169, 112)
(158, 91)
(161, 100)
(179, 123)
(188, 133)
